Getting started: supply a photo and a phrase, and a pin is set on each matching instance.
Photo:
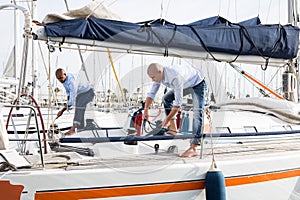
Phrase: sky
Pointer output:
(175, 11)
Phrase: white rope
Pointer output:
(161, 8)
(207, 111)
(93, 10)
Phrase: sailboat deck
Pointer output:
(72, 160)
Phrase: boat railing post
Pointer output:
(23, 146)
(201, 145)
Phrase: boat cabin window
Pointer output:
(250, 129)
(223, 130)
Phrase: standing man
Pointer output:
(182, 80)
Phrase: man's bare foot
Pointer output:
(172, 132)
(71, 131)
(172, 127)
(190, 152)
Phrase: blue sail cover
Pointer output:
(214, 34)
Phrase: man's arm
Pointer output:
(146, 109)
(178, 93)
(170, 116)
(149, 99)
(66, 107)
(71, 91)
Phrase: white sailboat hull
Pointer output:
(272, 175)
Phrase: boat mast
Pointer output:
(293, 15)
(34, 91)
(16, 45)
(290, 77)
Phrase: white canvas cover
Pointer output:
(94, 9)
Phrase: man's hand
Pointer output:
(146, 114)
(146, 108)
(165, 123)
(61, 112)
(170, 117)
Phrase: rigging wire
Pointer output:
(279, 10)
(110, 3)
(216, 86)
(228, 9)
(235, 7)
(220, 1)
(161, 8)
(47, 72)
(221, 78)
(258, 8)
(66, 4)
(100, 3)
(262, 92)
(83, 67)
(277, 71)
(268, 12)
(210, 82)
(253, 80)
(93, 10)
(166, 13)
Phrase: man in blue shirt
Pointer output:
(84, 94)
(182, 80)
(68, 81)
